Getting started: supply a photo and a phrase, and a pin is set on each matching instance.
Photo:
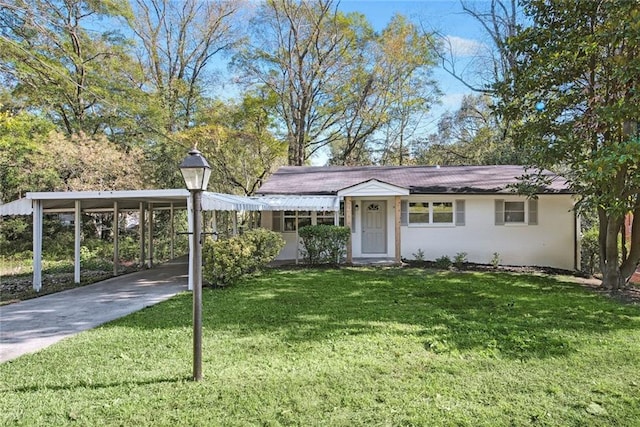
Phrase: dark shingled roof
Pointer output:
(418, 179)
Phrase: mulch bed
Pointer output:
(19, 288)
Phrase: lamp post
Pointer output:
(196, 172)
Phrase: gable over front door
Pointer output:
(374, 227)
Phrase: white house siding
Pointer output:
(550, 243)
(289, 251)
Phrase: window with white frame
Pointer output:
(422, 213)
(516, 212)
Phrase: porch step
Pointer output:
(374, 261)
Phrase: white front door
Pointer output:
(374, 227)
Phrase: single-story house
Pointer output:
(396, 212)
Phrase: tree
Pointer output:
(492, 61)
(52, 57)
(574, 96)
(296, 49)
(178, 41)
(84, 163)
(238, 141)
(20, 135)
(388, 89)
(469, 136)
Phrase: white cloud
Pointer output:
(452, 100)
(461, 47)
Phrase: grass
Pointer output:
(348, 347)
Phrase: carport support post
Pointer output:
(172, 231)
(116, 238)
(37, 245)
(150, 235)
(77, 241)
(141, 227)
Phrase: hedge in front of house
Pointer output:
(324, 244)
(227, 260)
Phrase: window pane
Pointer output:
(513, 211)
(303, 222)
(443, 212)
(419, 213)
(276, 222)
(289, 224)
(324, 220)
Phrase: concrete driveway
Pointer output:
(28, 326)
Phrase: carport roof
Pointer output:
(103, 201)
(64, 201)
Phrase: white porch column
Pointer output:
(141, 232)
(77, 240)
(347, 222)
(116, 238)
(37, 245)
(190, 230)
(150, 235)
(398, 241)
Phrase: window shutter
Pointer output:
(533, 211)
(499, 220)
(404, 212)
(460, 212)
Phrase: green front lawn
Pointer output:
(348, 347)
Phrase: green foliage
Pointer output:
(21, 136)
(590, 251)
(472, 135)
(66, 67)
(495, 260)
(324, 244)
(460, 259)
(443, 262)
(418, 255)
(239, 141)
(227, 260)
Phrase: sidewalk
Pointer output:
(28, 326)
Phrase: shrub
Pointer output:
(589, 246)
(227, 260)
(444, 262)
(419, 255)
(324, 244)
(460, 259)
(495, 260)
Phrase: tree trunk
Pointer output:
(611, 277)
(630, 264)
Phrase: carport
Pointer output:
(145, 202)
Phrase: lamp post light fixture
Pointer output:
(196, 173)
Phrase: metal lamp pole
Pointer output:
(197, 284)
(196, 172)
